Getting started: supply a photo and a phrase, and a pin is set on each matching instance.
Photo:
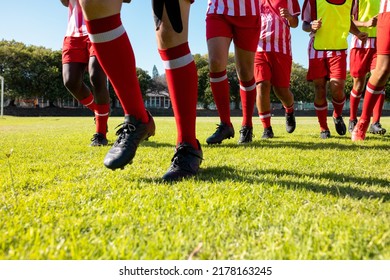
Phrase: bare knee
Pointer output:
(216, 64)
(73, 85)
(263, 88)
(383, 73)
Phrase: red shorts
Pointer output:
(245, 31)
(361, 61)
(77, 49)
(383, 34)
(274, 67)
(329, 68)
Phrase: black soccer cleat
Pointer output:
(376, 128)
(223, 132)
(340, 125)
(290, 122)
(268, 133)
(98, 139)
(351, 125)
(130, 135)
(185, 162)
(246, 134)
(325, 134)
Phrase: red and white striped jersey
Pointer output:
(308, 15)
(355, 42)
(275, 31)
(76, 25)
(234, 7)
(385, 6)
(321, 54)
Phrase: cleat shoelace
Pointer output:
(179, 158)
(123, 132)
(219, 129)
(247, 132)
(97, 136)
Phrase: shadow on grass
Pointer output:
(333, 186)
(316, 144)
(274, 143)
(149, 143)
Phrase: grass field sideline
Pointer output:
(292, 197)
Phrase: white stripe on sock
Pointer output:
(178, 62)
(107, 36)
(217, 80)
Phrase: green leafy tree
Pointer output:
(155, 73)
(202, 66)
(15, 62)
(302, 90)
(48, 81)
(144, 81)
(205, 95)
(158, 84)
(233, 81)
(31, 71)
(201, 61)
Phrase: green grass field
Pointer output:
(292, 197)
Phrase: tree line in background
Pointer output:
(36, 72)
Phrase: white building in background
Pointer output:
(158, 100)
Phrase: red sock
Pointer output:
(289, 109)
(102, 112)
(182, 79)
(115, 54)
(370, 98)
(221, 92)
(377, 113)
(338, 107)
(265, 118)
(354, 100)
(322, 114)
(248, 100)
(89, 102)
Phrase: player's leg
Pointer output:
(181, 73)
(262, 72)
(281, 74)
(219, 36)
(374, 89)
(321, 106)
(285, 95)
(94, 9)
(263, 104)
(98, 81)
(245, 73)
(360, 62)
(246, 37)
(336, 87)
(381, 74)
(354, 99)
(74, 63)
(378, 79)
(376, 127)
(72, 74)
(107, 34)
(338, 73)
